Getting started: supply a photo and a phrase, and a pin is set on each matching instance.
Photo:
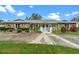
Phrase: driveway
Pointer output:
(72, 38)
(18, 37)
(42, 38)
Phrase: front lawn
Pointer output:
(23, 48)
(68, 32)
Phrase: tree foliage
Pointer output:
(34, 16)
(75, 18)
(63, 29)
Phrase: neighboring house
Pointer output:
(43, 25)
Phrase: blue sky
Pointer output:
(58, 12)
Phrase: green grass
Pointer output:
(23, 48)
(68, 32)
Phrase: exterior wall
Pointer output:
(77, 24)
(70, 25)
(14, 25)
(55, 27)
(66, 25)
(9, 25)
(48, 27)
(52, 27)
(60, 25)
(24, 25)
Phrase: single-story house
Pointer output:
(43, 25)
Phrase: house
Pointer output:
(40, 25)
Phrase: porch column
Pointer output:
(15, 27)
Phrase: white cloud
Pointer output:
(10, 9)
(31, 6)
(54, 16)
(67, 14)
(2, 9)
(20, 13)
(73, 13)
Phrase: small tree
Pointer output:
(63, 29)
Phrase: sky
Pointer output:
(57, 12)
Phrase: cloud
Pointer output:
(73, 13)
(54, 16)
(2, 9)
(31, 6)
(10, 9)
(20, 13)
(67, 14)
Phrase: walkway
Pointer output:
(48, 38)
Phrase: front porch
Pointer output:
(43, 27)
(46, 27)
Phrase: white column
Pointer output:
(51, 29)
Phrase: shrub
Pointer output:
(19, 30)
(2, 28)
(25, 29)
(63, 29)
(9, 29)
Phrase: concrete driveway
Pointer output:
(43, 38)
(18, 37)
(72, 38)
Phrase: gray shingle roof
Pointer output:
(39, 21)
